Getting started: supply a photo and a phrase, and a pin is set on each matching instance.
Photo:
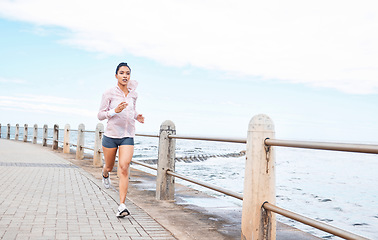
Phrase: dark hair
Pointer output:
(121, 65)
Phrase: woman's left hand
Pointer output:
(140, 118)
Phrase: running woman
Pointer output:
(118, 106)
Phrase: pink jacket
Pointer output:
(121, 124)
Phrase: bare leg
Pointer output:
(125, 155)
(109, 155)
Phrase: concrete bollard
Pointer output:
(66, 141)
(25, 132)
(17, 133)
(35, 134)
(259, 181)
(55, 137)
(44, 136)
(97, 156)
(165, 184)
(80, 142)
(8, 131)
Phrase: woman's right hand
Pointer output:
(120, 107)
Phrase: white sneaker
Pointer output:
(122, 211)
(106, 180)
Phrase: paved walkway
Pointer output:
(43, 196)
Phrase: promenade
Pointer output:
(43, 196)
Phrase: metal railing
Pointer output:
(188, 179)
(207, 185)
(66, 144)
(215, 139)
(344, 147)
(146, 135)
(311, 222)
(144, 164)
(263, 143)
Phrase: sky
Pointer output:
(209, 66)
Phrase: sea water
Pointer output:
(337, 188)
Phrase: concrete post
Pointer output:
(66, 141)
(8, 131)
(17, 133)
(259, 181)
(55, 137)
(25, 132)
(35, 134)
(165, 184)
(97, 156)
(0, 130)
(44, 137)
(80, 142)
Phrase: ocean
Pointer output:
(337, 188)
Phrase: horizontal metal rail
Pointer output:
(75, 145)
(88, 131)
(313, 223)
(231, 140)
(143, 164)
(87, 148)
(146, 135)
(207, 185)
(203, 184)
(345, 147)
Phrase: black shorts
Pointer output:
(109, 142)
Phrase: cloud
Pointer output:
(13, 81)
(43, 105)
(332, 44)
(40, 99)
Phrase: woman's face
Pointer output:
(123, 75)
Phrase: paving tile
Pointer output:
(55, 201)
